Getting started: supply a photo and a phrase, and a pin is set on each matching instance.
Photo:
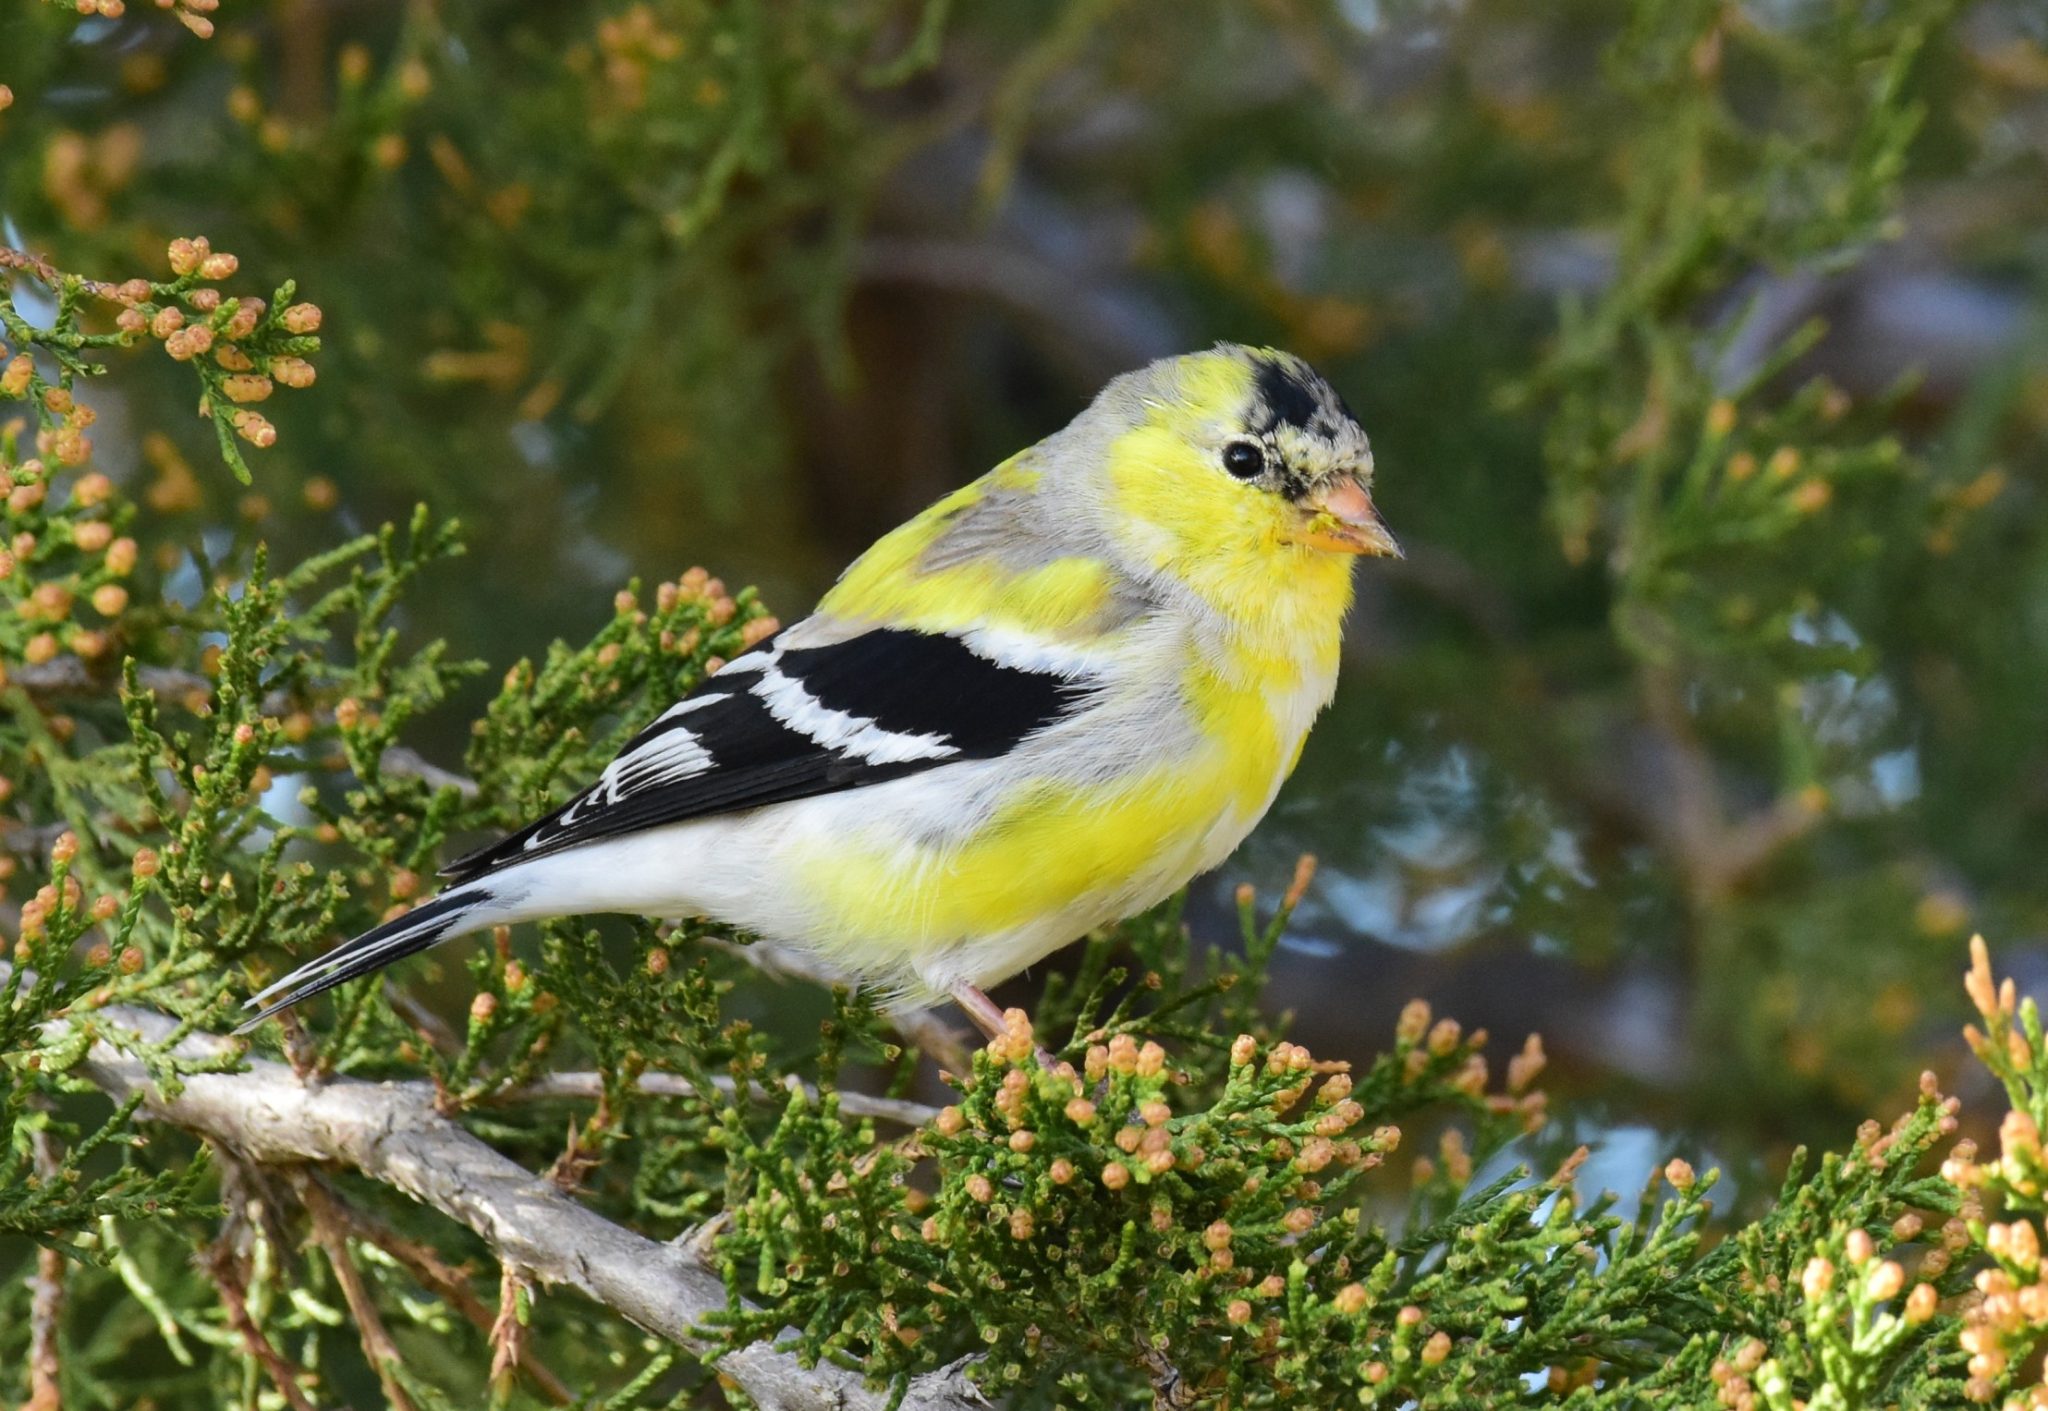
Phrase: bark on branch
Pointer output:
(391, 1133)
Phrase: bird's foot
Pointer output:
(1008, 1031)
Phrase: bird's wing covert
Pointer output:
(787, 722)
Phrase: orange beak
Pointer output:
(1344, 521)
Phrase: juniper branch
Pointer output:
(391, 1133)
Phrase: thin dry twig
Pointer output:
(225, 1270)
(39, 268)
(589, 1085)
(331, 1231)
(426, 1265)
(1692, 819)
(581, 1153)
(1170, 1390)
(46, 1297)
(508, 1333)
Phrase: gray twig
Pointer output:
(590, 1085)
(46, 1297)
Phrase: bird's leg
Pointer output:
(1001, 1025)
(982, 1010)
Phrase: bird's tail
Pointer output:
(455, 912)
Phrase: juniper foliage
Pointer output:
(207, 771)
(1192, 1218)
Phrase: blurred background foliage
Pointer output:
(1702, 347)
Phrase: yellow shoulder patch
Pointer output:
(896, 582)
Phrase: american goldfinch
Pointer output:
(1041, 705)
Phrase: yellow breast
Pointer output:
(1253, 658)
(1058, 852)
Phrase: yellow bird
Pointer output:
(1042, 705)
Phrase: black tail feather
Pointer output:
(425, 925)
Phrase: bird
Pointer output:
(1043, 704)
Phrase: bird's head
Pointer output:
(1236, 464)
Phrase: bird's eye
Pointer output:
(1244, 460)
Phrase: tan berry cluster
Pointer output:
(2019, 1168)
(62, 571)
(38, 911)
(1858, 1298)
(1149, 1142)
(1527, 1066)
(1731, 1376)
(1425, 1042)
(2006, 1320)
(1996, 1003)
(1953, 508)
(193, 14)
(1452, 1158)
(2010, 1314)
(630, 46)
(697, 585)
(2005, 1048)
(1016, 1043)
(234, 341)
(62, 419)
(1785, 469)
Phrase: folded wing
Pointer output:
(788, 721)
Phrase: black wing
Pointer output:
(786, 722)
